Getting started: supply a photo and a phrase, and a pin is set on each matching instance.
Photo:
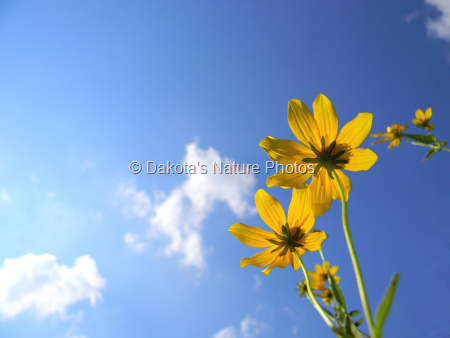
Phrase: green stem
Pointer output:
(420, 144)
(354, 258)
(311, 295)
(433, 145)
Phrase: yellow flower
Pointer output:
(321, 145)
(326, 296)
(422, 119)
(285, 236)
(393, 134)
(320, 277)
(302, 288)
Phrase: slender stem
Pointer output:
(354, 258)
(419, 143)
(433, 145)
(311, 295)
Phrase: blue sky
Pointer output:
(88, 249)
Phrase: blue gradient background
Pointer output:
(86, 87)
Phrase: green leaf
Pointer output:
(354, 313)
(429, 154)
(337, 291)
(359, 322)
(328, 312)
(385, 304)
(444, 143)
(351, 328)
(427, 139)
(341, 333)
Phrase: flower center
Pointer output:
(325, 159)
(287, 241)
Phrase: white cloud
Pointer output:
(133, 242)
(440, 26)
(411, 16)
(228, 332)
(180, 215)
(38, 283)
(250, 328)
(294, 330)
(136, 202)
(258, 282)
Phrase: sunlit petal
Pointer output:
(359, 159)
(313, 242)
(303, 124)
(321, 193)
(356, 131)
(270, 210)
(345, 183)
(285, 151)
(326, 118)
(261, 259)
(287, 181)
(252, 236)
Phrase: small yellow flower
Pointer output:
(286, 236)
(320, 277)
(393, 134)
(321, 144)
(302, 288)
(326, 295)
(422, 120)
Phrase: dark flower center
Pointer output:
(287, 241)
(325, 159)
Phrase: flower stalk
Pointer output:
(354, 258)
(311, 295)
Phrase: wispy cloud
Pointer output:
(258, 282)
(249, 328)
(181, 214)
(134, 242)
(227, 332)
(439, 27)
(39, 284)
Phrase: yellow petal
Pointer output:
(279, 262)
(313, 275)
(318, 269)
(300, 213)
(321, 192)
(262, 258)
(288, 181)
(303, 124)
(293, 260)
(420, 115)
(333, 270)
(285, 151)
(270, 210)
(382, 140)
(326, 118)
(428, 114)
(251, 236)
(417, 122)
(380, 135)
(356, 131)
(313, 242)
(359, 159)
(345, 183)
